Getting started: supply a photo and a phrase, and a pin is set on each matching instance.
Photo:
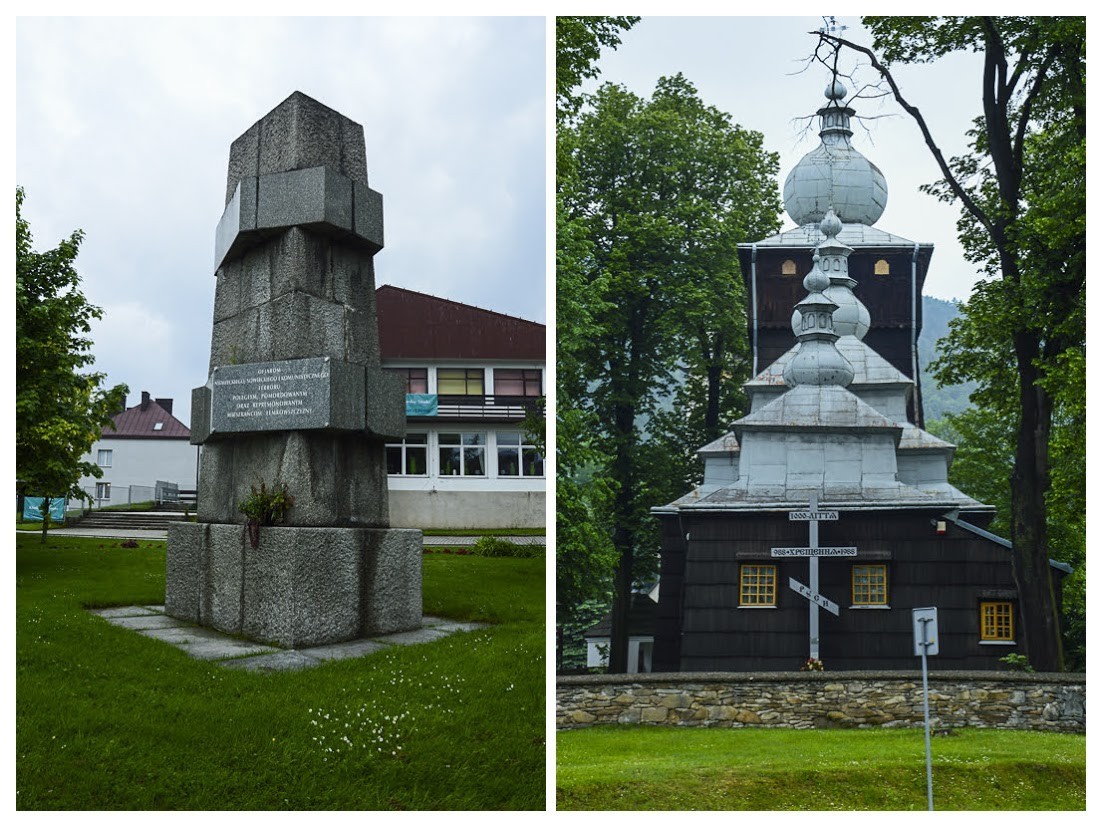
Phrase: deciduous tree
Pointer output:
(59, 410)
(1021, 189)
(665, 189)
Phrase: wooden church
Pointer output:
(748, 581)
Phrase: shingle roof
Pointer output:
(135, 423)
(416, 325)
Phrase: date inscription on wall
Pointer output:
(271, 396)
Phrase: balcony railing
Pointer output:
(469, 407)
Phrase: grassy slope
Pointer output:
(660, 768)
(109, 719)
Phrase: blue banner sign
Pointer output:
(32, 509)
(420, 404)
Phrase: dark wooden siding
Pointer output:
(666, 656)
(952, 571)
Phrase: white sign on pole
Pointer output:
(817, 599)
(925, 631)
(808, 516)
(805, 551)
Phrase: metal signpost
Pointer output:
(813, 553)
(925, 634)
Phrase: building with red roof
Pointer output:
(146, 446)
(471, 376)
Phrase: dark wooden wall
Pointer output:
(953, 572)
(888, 299)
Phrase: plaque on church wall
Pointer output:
(271, 396)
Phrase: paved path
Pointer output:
(236, 653)
(154, 534)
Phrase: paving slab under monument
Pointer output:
(234, 653)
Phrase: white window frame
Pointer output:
(521, 445)
(463, 447)
(103, 490)
(403, 445)
(104, 454)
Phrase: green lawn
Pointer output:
(665, 768)
(109, 719)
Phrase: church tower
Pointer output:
(888, 270)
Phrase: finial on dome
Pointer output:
(836, 90)
(831, 224)
(816, 281)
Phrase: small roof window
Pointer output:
(158, 425)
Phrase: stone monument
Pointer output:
(296, 399)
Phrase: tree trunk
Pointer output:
(1029, 533)
(45, 517)
(623, 471)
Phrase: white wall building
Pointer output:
(471, 376)
(148, 444)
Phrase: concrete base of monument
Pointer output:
(300, 586)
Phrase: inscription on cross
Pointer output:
(813, 552)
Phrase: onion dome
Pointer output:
(818, 361)
(831, 256)
(834, 173)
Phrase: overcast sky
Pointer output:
(124, 126)
(754, 69)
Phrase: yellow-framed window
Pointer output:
(996, 620)
(870, 584)
(757, 585)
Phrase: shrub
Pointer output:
(491, 546)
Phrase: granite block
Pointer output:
(183, 563)
(200, 415)
(227, 290)
(318, 586)
(319, 198)
(220, 602)
(337, 479)
(301, 132)
(368, 215)
(244, 159)
(386, 404)
(392, 581)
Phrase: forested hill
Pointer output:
(936, 402)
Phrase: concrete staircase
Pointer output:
(129, 520)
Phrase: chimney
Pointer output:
(145, 400)
(166, 404)
(122, 406)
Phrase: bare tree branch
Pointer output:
(946, 171)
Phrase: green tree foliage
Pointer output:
(59, 411)
(584, 554)
(661, 193)
(1021, 189)
(578, 42)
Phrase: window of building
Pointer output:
(517, 382)
(408, 458)
(757, 585)
(103, 490)
(516, 458)
(158, 426)
(882, 268)
(788, 267)
(462, 455)
(997, 620)
(870, 585)
(417, 379)
(459, 381)
(104, 457)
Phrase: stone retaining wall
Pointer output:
(1055, 702)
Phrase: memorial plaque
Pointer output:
(271, 396)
